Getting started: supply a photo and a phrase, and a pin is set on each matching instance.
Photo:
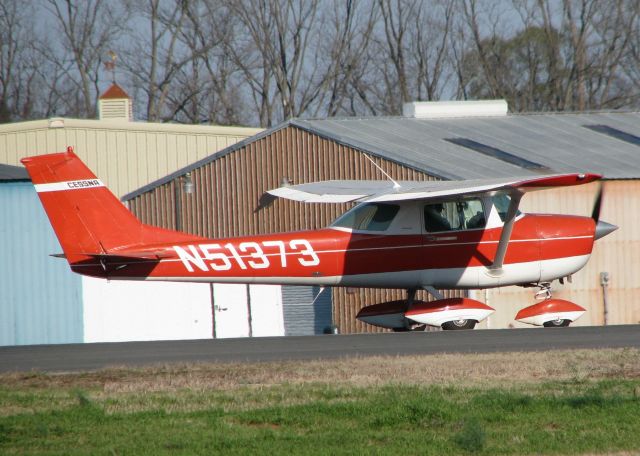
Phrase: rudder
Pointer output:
(86, 217)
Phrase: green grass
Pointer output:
(550, 417)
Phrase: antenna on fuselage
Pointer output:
(396, 186)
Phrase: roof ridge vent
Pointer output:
(449, 109)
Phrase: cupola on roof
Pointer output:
(115, 104)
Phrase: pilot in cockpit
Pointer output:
(433, 218)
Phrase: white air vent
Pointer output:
(115, 109)
(448, 109)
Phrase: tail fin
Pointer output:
(87, 218)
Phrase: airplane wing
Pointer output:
(336, 191)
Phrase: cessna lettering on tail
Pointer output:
(84, 183)
(68, 185)
(246, 255)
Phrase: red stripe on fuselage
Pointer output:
(330, 253)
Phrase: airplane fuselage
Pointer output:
(542, 248)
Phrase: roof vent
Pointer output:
(448, 109)
(115, 104)
(56, 122)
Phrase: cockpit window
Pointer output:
(501, 202)
(368, 217)
(454, 215)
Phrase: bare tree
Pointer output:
(432, 54)
(24, 72)
(155, 56)
(279, 60)
(213, 83)
(411, 52)
(262, 61)
(88, 29)
(346, 37)
(614, 30)
(630, 61)
(12, 38)
(564, 56)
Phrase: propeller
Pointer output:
(595, 214)
(602, 228)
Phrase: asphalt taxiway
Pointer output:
(86, 357)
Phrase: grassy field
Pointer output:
(577, 402)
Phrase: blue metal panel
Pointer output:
(301, 318)
(40, 298)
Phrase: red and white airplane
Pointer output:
(410, 235)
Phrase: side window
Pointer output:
(474, 214)
(454, 215)
(368, 217)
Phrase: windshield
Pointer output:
(368, 217)
(501, 202)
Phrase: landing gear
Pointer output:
(544, 292)
(550, 313)
(556, 323)
(459, 324)
(452, 325)
(410, 325)
(417, 315)
(448, 313)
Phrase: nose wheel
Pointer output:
(550, 312)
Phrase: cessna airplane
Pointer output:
(410, 235)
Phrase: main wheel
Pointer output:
(459, 324)
(556, 323)
(400, 330)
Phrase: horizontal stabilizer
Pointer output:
(142, 255)
(146, 255)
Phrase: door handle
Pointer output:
(441, 238)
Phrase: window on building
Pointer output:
(465, 214)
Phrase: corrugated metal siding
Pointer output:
(126, 155)
(228, 192)
(300, 317)
(618, 254)
(40, 298)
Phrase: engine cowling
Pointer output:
(550, 312)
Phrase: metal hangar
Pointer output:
(228, 196)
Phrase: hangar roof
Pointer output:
(469, 148)
(10, 173)
(607, 143)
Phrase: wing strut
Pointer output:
(496, 268)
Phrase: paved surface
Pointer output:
(82, 357)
